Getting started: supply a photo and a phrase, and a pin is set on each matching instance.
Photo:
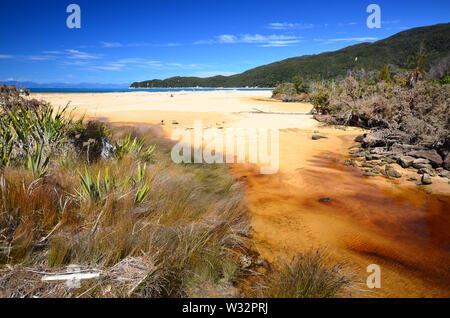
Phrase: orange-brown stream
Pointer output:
(367, 221)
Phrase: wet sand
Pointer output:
(394, 224)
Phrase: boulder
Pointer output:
(404, 148)
(390, 172)
(322, 118)
(421, 163)
(360, 138)
(405, 161)
(443, 173)
(426, 171)
(374, 140)
(378, 150)
(426, 179)
(370, 157)
(446, 163)
(432, 155)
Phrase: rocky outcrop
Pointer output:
(446, 163)
(432, 155)
(377, 151)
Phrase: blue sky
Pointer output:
(134, 40)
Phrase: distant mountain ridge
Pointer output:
(399, 49)
(29, 84)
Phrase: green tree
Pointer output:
(384, 75)
(300, 85)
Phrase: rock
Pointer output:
(373, 157)
(426, 171)
(426, 179)
(322, 118)
(421, 163)
(432, 155)
(390, 172)
(373, 140)
(388, 161)
(325, 200)
(404, 148)
(349, 162)
(446, 163)
(378, 150)
(370, 174)
(360, 138)
(175, 122)
(443, 173)
(357, 154)
(317, 137)
(412, 179)
(405, 161)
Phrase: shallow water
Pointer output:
(362, 221)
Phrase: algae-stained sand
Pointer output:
(314, 200)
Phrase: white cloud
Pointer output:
(355, 39)
(289, 26)
(75, 54)
(41, 58)
(184, 66)
(347, 24)
(272, 40)
(105, 44)
(110, 67)
(281, 43)
(52, 52)
(111, 44)
(2, 56)
(226, 38)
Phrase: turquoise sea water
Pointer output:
(124, 90)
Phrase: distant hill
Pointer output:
(29, 84)
(399, 49)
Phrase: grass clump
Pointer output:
(307, 275)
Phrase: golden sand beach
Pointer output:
(363, 221)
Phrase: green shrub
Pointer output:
(445, 80)
(300, 85)
(321, 101)
(385, 75)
